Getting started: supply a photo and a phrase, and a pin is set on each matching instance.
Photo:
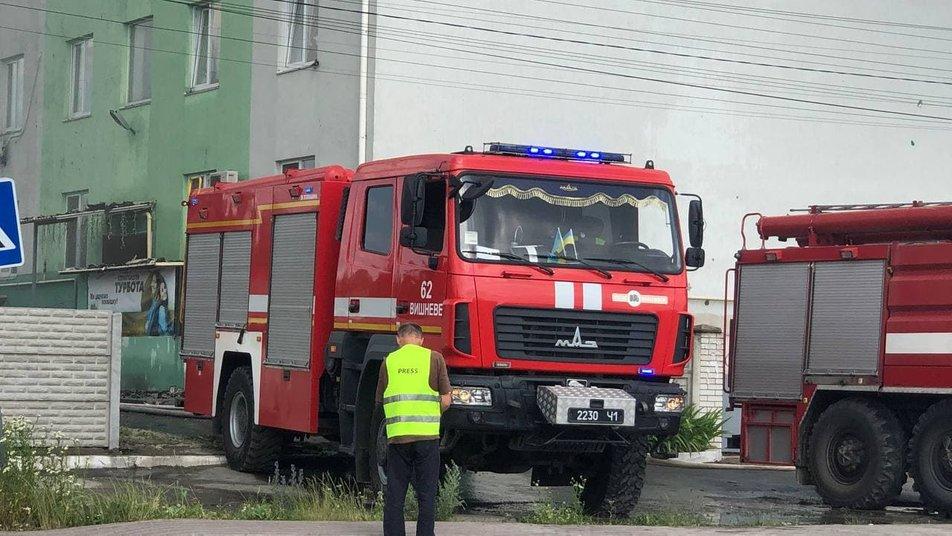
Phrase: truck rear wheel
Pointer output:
(857, 456)
(378, 452)
(930, 457)
(615, 486)
(248, 447)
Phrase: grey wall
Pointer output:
(740, 157)
(23, 148)
(311, 111)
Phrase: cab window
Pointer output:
(378, 220)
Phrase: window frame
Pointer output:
(212, 43)
(299, 162)
(13, 118)
(85, 44)
(79, 254)
(308, 49)
(131, 73)
(363, 223)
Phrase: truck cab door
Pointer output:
(420, 275)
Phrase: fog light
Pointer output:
(668, 403)
(472, 396)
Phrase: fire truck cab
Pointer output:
(552, 280)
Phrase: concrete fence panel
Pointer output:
(59, 368)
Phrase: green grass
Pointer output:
(572, 514)
(37, 491)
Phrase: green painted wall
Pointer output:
(176, 134)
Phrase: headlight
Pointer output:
(668, 403)
(472, 396)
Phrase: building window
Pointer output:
(378, 220)
(13, 86)
(205, 179)
(81, 77)
(140, 61)
(299, 34)
(75, 231)
(206, 29)
(296, 163)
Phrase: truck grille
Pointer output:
(566, 335)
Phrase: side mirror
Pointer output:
(413, 237)
(696, 224)
(694, 257)
(412, 200)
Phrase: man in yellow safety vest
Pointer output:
(414, 389)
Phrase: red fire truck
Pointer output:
(552, 280)
(841, 353)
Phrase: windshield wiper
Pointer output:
(606, 274)
(522, 260)
(659, 275)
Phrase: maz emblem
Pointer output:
(576, 341)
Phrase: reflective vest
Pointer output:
(410, 405)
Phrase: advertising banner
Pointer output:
(145, 297)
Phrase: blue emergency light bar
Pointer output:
(554, 152)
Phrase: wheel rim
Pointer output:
(238, 420)
(847, 458)
(942, 459)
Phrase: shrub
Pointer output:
(697, 431)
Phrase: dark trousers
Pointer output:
(417, 463)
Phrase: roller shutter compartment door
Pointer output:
(770, 330)
(846, 325)
(201, 293)
(292, 289)
(235, 270)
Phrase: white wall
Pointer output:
(59, 369)
(23, 147)
(423, 101)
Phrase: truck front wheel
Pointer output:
(248, 447)
(615, 486)
(930, 457)
(857, 456)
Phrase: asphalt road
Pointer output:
(724, 496)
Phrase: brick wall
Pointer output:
(59, 368)
(703, 377)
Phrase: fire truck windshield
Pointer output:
(553, 222)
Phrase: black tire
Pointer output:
(378, 452)
(930, 457)
(615, 486)
(857, 455)
(248, 447)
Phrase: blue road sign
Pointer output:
(11, 243)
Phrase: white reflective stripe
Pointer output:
(592, 296)
(564, 295)
(412, 418)
(341, 306)
(654, 299)
(376, 307)
(919, 343)
(379, 307)
(411, 398)
(257, 303)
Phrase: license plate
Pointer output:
(596, 416)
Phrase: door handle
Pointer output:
(353, 306)
(403, 307)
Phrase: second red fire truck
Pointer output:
(552, 280)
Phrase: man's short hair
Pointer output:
(409, 330)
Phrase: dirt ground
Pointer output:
(724, 496)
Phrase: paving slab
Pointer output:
(294, 528)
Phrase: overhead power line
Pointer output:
(480, 88)
(760, 13)
(496, 31)
(942, 119)
(669, 82)
(742, 27)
